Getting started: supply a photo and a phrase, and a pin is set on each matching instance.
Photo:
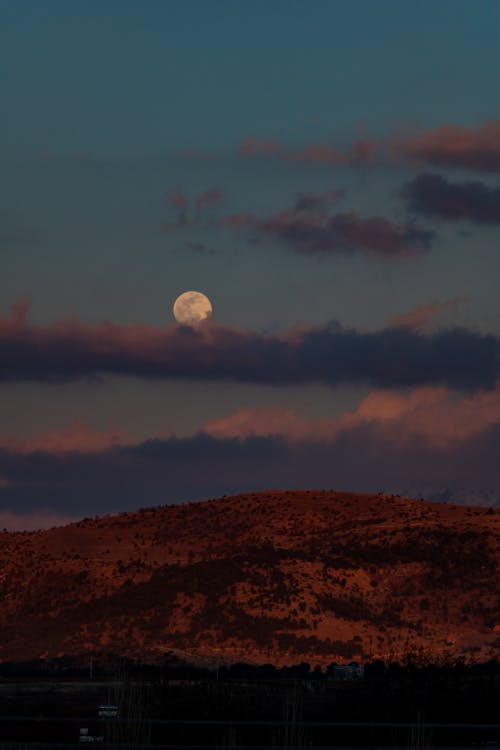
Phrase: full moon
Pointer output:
(192, 308)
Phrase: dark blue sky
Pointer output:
(119, 78)
(307, 165)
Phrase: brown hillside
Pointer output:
(278, 576)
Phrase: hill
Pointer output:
(281, 576)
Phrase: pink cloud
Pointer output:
(433, 414)
(77, 438)
(452, 145)
(277, 420)
(419, 318)
(448, 145)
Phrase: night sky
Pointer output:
(326, 172)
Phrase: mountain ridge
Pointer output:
(279, 576)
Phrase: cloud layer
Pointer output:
(393, 357)
(433, 414)
(423, 436)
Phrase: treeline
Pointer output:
(173, 668)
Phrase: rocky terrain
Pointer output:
(279, 577)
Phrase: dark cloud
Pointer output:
(435, 195)
(346, 232)
(369, 457)
(309, 228)
(69, 350)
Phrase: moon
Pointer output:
(192, 308)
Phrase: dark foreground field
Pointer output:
(391, 706)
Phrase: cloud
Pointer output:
(279, 420)
(70, 350)
(390, 439)
(449, 145)
(434, 195)
(309, 228)
(374, 235)
(76, 438)
(419, 318)
(455, 146)
(179, 200)
(434, 414)
(361, 151)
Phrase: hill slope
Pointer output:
(280, 576)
